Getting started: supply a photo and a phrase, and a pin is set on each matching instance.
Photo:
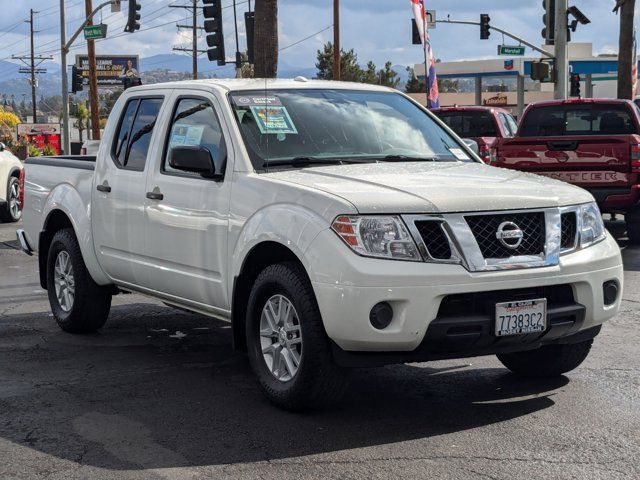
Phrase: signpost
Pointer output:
(510, 50)
(93, 32)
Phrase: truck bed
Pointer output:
(46, 179)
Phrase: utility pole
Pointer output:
(33, 69)
(66, 139)
(93, 78)
(626, 61)
(32, 61)
(336, 40)
(561, 50)
(193, 49)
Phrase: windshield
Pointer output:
(470, 124)
(309, 126)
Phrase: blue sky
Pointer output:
(378, 30)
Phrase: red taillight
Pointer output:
(635, 158)
(485, 153)
(21, 188)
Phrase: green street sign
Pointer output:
(94, 32)
(511, 50)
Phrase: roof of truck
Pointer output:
(579, 101)
(231, 84)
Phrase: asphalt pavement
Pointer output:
(160, 394)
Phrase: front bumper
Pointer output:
(347, 286)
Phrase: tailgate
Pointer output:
(597, 160)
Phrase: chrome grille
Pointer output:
(569, 229)
(434, 239)
(485, 228)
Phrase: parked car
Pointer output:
(592, 143)
(10, 187)
(90, 147)
(485, 125)
(335, 225)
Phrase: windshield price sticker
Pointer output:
(459, 153)
(274, 119)
(254, 100)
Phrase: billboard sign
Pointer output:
(38, 129)
(111, 69)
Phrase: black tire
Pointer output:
(91, 303)
(6, 214)
(549, 361)
(319, 382)
(633, 230)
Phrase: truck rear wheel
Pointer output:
(633, 228)
(78, 304)
(288, 348)
(548, 361)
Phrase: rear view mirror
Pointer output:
(194, 159)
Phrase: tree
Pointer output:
(350, 70)
(445, 85)
(8, 122)
(82, 115)
(108, 100)
(413, 84)
(265, 42)
(625, 50)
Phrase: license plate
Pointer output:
(519, 318)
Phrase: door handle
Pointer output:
(104, 188)
(155, 196)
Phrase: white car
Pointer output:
(10, 168)
(335, 225)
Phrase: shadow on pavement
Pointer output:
(160, 388)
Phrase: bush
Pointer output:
(34, 151)
(48, 150)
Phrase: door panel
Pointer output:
(186, 229)
(119, 194)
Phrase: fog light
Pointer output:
(381, 315)
(610, 292)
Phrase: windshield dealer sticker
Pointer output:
(274, 119)
(254, 100)
(459, 153)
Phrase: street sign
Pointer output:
(517, 50)
(431, 19)
(93, 32)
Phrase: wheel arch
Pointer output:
(257, 259)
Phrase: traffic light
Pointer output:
(250, 23)
(549, 20)
(575, 86)
(76, 79)
(484, 26)
(133, 23)
(213, 26)
(415, 33)
(542, 71)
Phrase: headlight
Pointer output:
(590, 225)
(377, 236)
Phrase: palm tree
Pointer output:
(625, 50)
(265, 40)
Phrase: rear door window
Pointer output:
(134, 133)
(589, 119)
(470, 124)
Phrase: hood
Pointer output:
(426, 187)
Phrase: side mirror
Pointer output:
(472, 144)
(194, 159)
(2, 147)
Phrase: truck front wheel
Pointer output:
(78, 304)
(548, 361)
(288, 347)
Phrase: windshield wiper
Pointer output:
(305, 161)
(408, 158)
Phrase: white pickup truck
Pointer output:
(334, 225)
